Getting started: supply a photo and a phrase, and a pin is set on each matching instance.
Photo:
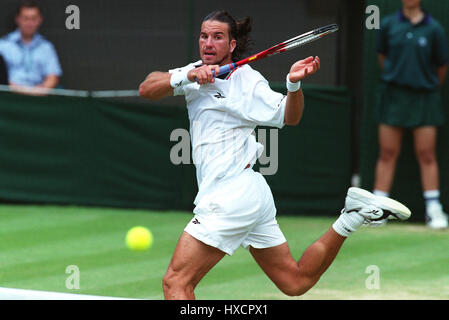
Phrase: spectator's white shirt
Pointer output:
(223, 116)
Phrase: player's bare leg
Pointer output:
(296, 277)
(191, 261)
(390, 139)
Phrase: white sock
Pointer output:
(347, 223)
(381, 193)
(432, 197)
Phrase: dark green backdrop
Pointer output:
(87, 151)
(407, 184)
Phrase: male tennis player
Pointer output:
(234, 204)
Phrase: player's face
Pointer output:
(28, 21)
(215, 45)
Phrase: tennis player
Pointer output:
(234, 205)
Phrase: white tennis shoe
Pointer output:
(374, 208)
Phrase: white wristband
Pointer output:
(292, 86)
(179, 78)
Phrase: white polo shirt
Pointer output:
(223, 116)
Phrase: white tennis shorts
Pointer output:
(239, 212)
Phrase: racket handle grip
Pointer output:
(223, 70)
(227, 68)
(213, 74)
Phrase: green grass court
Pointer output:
(39, 242)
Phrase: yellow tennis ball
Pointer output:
(139, 238)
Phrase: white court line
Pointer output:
(22, 294)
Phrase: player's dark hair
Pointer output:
(238, 30)
(28, 4)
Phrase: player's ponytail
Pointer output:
(239, 30)
(243, 29)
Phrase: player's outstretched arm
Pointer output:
(159, 85)
(295, 99)
(156, 86)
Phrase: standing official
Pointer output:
(413, 56)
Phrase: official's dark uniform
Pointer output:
(408, 94)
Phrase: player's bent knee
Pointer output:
(295, 289)
(173, 281)
(170, 281)
(293, 292)
(166, 282)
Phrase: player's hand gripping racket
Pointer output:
(292, 43)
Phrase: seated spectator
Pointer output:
(31, 60)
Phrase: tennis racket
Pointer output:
(290, 44)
